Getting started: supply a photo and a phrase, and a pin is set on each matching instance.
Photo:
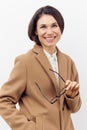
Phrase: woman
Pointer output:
(44, 81)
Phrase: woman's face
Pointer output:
(48, 31)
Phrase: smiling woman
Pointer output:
(48, 32)
(44, 81)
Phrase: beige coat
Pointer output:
(36, 113)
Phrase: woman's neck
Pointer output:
(50, 50)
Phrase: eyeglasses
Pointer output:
(58, 75)
(60, 93)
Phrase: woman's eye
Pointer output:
(54, 25)
(43, 27)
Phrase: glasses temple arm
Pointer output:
(58, 75)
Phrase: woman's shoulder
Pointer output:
(65, 56)
(24, 57)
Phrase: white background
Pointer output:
(14, 18)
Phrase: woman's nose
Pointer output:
(49, 31)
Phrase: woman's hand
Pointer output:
(72, 88)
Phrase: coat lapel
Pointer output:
(42, 59)
(62, 68)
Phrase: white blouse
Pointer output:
(53, 61)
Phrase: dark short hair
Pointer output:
(44, 10)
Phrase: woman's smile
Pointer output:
(50, 39)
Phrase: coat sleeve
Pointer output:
(74, 104)
(10, 94)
